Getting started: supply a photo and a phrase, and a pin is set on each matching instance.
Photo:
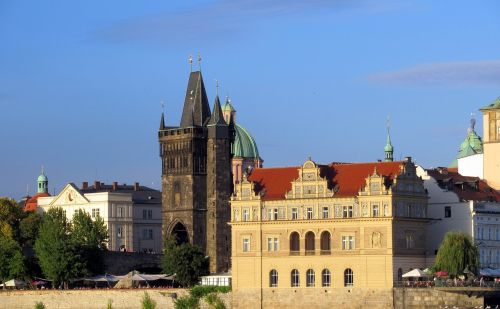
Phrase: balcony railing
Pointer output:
(294, 252)
(310, 252)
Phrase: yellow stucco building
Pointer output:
(337, 235)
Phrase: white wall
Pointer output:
(471, 166)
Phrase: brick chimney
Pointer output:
(136, 186)
(97, 185)
(115, 185)
(85, 185)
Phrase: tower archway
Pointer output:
(180, 234)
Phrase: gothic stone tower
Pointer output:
(196, 176)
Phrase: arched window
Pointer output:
(309, 243)
(325, 242)
(294, 243)
(400, 275)
(310, 278)
(273, 278)
(326, 278)
(348, 277)
(295, 278)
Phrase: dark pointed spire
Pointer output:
(162, 122)
(217, 118)
(196, 108)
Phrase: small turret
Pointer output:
(43, 183)
(229, 111)
(389, 149)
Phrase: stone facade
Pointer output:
(336, 229)
(196, 176)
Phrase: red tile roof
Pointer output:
(32, 203)
(467, 188)
(349, 177)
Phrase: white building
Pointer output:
(131, 213)
(466, 204)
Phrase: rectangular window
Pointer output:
(410, 241)
(347, 242)
(150, 214)
(147, 234)
(144, 214)
(272, 244)
(326, 213)
(246, 215)
(95, 212)
(309, 213)
(246, 244)
(347, 211)
(120, 212)
(295, 214)
(375, 211)
(119, 232)
(273, 213)
(447, 211)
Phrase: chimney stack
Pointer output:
(136, 186)
(115, 185)
(85, 185)
(97, 185)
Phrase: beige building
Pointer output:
(491, 137)
(131, 213)
(325, 233)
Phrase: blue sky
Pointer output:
(81, 81)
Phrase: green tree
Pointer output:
(10, 214)
(28, 228)
(57, 253)
(11, 260)
(456, 253)
(187, 262)
(90, 238)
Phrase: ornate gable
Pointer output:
(309, 184)
(68, 196)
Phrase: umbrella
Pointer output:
(415, 273)
(38, 282)
(15, 283)
(441, 273)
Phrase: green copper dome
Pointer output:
(244, 145)
(473, 144)
(42, 178)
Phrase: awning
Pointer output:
(416, 273)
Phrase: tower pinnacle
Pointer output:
(389, 149)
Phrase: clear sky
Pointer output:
(81, 81)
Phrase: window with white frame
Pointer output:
(310, 278)
(295, 213)
(246, 215)
(375, 210)
(273, 278)
(348, 277)
(348, 242)
(120, 212)
(119, 232)
(326, 212)
(272, 244)
(347, 211)
(326, 278)
(246, 244)
(410, 241)
(95, 212)
(309, 212)
(273, 214)
(295, 278)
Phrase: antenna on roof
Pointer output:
(216, 87)
(162, 104)
(190, 63)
